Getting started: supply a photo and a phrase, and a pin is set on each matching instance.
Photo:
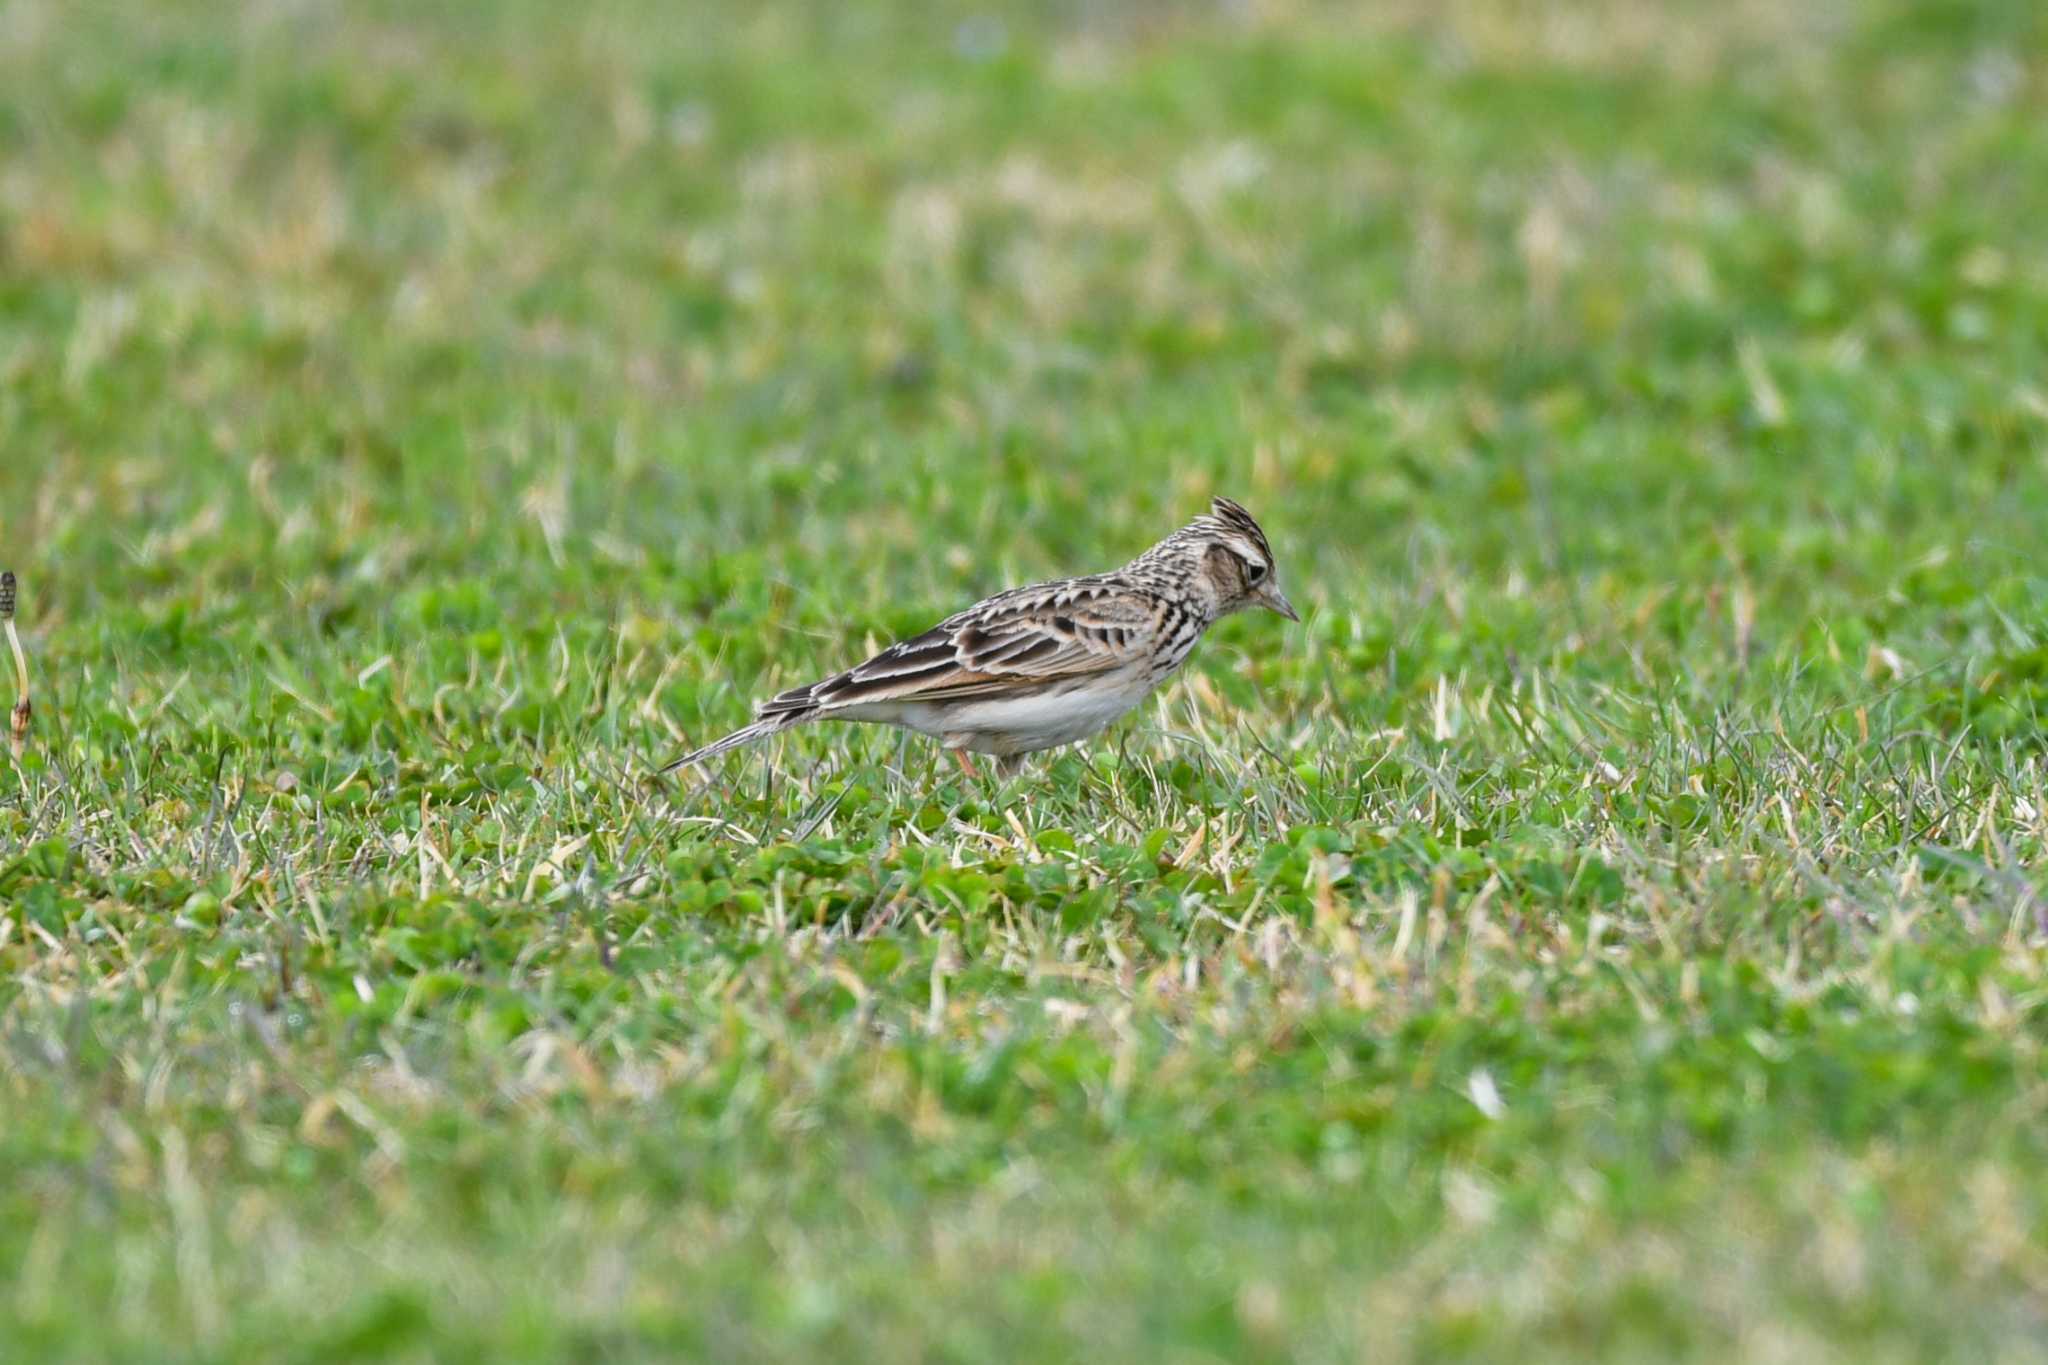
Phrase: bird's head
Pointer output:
(1227, 554)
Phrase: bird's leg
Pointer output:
(966, 764)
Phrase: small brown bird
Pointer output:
(1049, 664)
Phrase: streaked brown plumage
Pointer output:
(1048, 664)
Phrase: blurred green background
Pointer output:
(1609, 927)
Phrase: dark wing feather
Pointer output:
(1019, 639)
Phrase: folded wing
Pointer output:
(1018, 640)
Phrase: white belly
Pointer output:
(1018, 724)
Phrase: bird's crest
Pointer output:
(1225, 521)
(1232, 519)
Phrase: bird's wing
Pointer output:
(1016, 640)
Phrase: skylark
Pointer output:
(1049, 664)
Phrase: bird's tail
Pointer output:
(767, 725)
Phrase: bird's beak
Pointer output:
(1277, 601)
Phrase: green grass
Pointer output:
(1610, 927)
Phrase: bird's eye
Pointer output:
(1254, 572)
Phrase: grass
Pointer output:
(1610, 927)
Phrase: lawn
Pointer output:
(1611, 926)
